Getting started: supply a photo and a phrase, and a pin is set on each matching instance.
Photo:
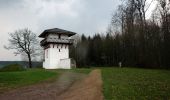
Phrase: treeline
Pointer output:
(130, 39)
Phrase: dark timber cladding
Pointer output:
(56, 31)
(53, 40)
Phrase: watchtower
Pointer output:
(56, 48)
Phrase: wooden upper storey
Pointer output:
(56, 31)
(56, 36)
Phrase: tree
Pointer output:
(130, 38)
(23, 41)
(164, 7)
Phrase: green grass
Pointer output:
(14, 79)
(136, 84)
(76, 70)
(10, 80)
(118, 83)
(82, 70)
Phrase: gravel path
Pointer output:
(89, 88)
(69, 86)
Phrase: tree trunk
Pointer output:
(29, 60)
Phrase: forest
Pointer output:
(130, 38)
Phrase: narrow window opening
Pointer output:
(53, 45)
(47, 54)
(44, 55)
(59, 50)
(59, 36)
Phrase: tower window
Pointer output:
(59, 36)
(59, 50)
(47, 54)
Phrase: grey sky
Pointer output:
(81, 16)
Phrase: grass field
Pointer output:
(15, 79)
(76, 70)
(118, 83)
(10, 80)
(82, 70)
(136, 84)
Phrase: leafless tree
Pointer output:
(23, 41)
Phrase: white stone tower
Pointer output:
(56, 48)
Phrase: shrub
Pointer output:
(12, 67)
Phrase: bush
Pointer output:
(12, 67)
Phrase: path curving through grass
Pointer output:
(45, 90)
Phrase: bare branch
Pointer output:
(23, 41)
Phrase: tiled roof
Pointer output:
(56, 31)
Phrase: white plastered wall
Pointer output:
(54, 57)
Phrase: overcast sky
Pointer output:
(80, 16)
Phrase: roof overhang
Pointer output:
(56, 31)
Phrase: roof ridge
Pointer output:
(56, 31)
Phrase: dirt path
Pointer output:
(70, 86)
(89, 88)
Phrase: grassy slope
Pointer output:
(130, 83)
(10, 80)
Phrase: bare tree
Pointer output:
(118, 19)
(23, 41)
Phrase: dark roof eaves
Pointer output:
(47, 32)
